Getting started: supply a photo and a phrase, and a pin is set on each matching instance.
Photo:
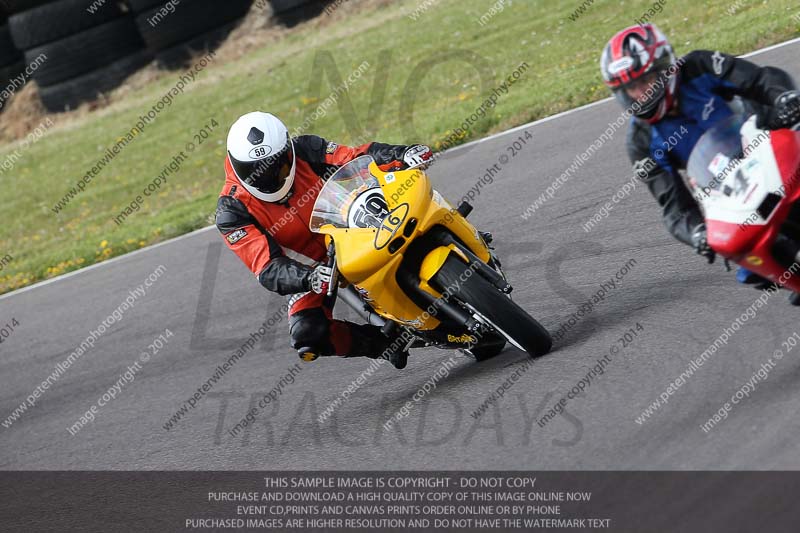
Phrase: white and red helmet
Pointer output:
(636, 56)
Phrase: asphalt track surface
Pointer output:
(211, 303)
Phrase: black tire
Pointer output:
(305, 11)
(60, 19)
(9, 54)
(502, 312)
(279, 6)
(187, 21)
(7, 74)
(85, 52)
(71, 93)
(15, 6)
(137, 6)
(181, 55)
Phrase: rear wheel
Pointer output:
(492, 308)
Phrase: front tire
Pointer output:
(480, 297)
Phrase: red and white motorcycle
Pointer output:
(747, 182)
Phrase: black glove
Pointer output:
(700, 243)
(319, 279)
(785, 113)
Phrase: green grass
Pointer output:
(279, 78)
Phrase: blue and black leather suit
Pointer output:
(708, 86)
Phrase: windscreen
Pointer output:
(351, 198)
(716, 155)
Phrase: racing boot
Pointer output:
(751, 278)
(369, 341)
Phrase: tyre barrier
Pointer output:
(15, 6)
(175, 31)
(38, 26)
(89, 47)
(11, 65)
(71, 93)
(290, 13)
(85, 51)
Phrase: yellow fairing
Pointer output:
(433, 262)
(369, 258)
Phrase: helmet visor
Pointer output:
(644, 94)
(267, 175)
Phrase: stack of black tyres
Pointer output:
(293, 12)
(176, 32)
(88, 47)
(11, 61)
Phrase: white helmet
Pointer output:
(262, 156)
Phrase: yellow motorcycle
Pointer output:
(412, 264)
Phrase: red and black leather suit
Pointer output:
(274, 241)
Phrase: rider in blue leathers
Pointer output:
(674, 101)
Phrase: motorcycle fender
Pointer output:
(433, 262)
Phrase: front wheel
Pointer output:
(491, 307)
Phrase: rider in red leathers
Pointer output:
(263, 212)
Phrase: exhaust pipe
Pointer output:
(353, 299)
